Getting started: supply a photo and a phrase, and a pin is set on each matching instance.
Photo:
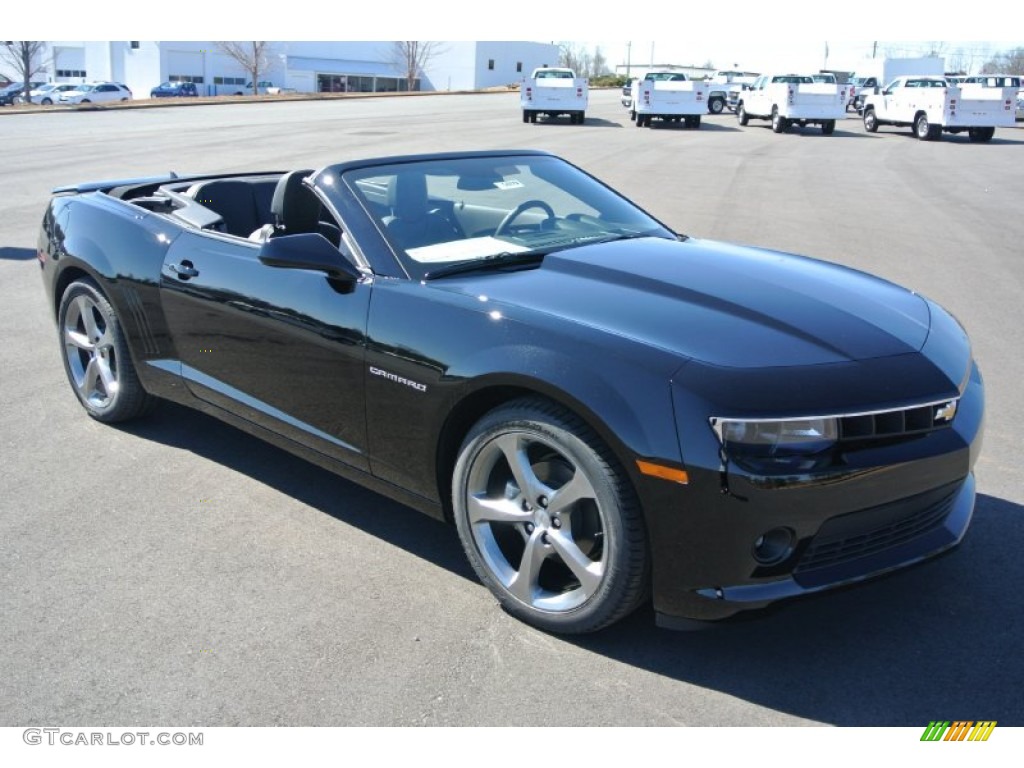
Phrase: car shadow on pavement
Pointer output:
(16, 254)
(179, 427)
(940, 641)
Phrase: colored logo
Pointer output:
(961, 730)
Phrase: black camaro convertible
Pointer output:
(606, 410)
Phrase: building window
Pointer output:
(490, 63)
(229, 81)
(135, 45)
(519, 66)
(188, 79)
(70, 73)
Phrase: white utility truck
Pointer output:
(793, 100)
(553, 91)
(669, 96)
(872, 74)
(929, 105)
(723, 87)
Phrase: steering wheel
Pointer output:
(516, 212)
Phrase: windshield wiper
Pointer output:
(495, 261)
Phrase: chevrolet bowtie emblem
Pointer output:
(944, 413)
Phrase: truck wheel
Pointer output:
(981, 134)
(640, 121)
(828, 127)
(870, 121)
(580, 117)
(715, 105)
(779, 123)
(632, 115)
(741, 114)
(924, 130)
(533, 117)
(526, 116)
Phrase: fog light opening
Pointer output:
(774, 546)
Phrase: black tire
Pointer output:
(741, 114)
(96, 358)
(924, 130)
(640, 121)
(85, 101)
(632, 115)
(46, 101)
(779, 123)
(828, 127)
(526, 116)
(533, 116)
(586, 557)
(581, 117)
(981, 134)
(870, 121)
(715, 105)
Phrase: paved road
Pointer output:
(179, 572)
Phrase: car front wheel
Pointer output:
(548, 521)
(96, 358)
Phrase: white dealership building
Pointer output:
(304, 66)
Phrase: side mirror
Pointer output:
(308, 251)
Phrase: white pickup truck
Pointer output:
(553, 91)
(929, 105)
(669, 96)
(792, 100)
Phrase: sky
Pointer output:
(753, 34)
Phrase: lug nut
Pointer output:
(556, 523)
(543, 502)
(529, 527)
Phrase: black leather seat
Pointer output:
(234, 200)
(413, 223)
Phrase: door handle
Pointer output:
(184, 270)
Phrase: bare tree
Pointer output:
(1007, 62)
(253, 57)
(598, 63)
(574, 57)
(26, 56)
(411, 57)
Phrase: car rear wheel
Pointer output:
(548, 521)
(828, 127)
(715, 105)
(46, 101)
(779, 123)
(96, 358)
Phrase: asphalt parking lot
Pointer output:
(177, 571)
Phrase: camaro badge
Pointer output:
(398, 379)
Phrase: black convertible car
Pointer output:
(606, 409)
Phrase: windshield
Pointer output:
(441, 212)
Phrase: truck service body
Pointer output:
(553, 91)
(669, 96)
(792, 99)
(930, 106)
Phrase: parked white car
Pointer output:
(96, 93)
(48, 93)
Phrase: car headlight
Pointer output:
(775, 443)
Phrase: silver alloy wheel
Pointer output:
(536, 521)
(91, 352)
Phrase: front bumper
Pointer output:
(878, 508)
